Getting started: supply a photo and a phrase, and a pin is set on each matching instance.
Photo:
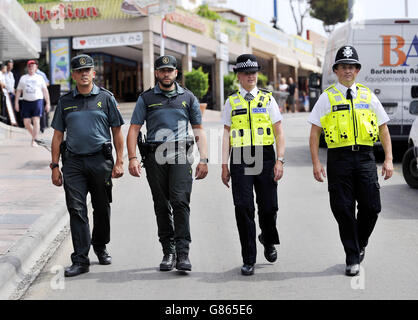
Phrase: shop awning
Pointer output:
(311, 67)
(287, 60)
(20, 36)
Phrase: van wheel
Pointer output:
(409, 168)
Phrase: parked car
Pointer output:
(410, 159)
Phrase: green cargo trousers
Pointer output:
(171, 187)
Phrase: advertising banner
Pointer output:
(60, 62)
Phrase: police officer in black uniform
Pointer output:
(352, 118)
(167, 110)
(87, 114)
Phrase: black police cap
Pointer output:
(247, 63)
(82, 61)
(346, 55)
(166, 62)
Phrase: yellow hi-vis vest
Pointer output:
(250, 121)
(347, 124)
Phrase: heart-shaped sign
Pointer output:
(82, 42)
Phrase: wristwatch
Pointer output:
(204, 160)
(281, 159)
(53, 165)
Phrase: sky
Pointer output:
(363, 9)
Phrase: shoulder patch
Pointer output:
(105, 90)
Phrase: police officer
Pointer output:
(167, 109)
(86, 114)
(252, 124)
(352, 119)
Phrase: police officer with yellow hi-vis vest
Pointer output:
(352, 119)
(252, 124)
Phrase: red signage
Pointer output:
(62, 11)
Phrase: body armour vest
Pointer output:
(250, 121)
(349, 123)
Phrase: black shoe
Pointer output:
(352, 270)
(362, 253)
(270, 252)
(103, 256)
(168, 262)
(76, 269)
(183, 262)
(247, 269)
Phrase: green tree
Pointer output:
(262, 80)
(330, 12)
(230, 84)
(197, 82)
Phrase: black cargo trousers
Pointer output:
(171, 187)
(352, 177)
(83, 174)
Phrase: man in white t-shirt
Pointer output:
(33, 89)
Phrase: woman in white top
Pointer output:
(34, 90)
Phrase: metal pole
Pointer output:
(162, 36)
(406, 8)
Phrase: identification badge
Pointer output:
(238, 112)
(362, 106)
(259, 110)
(341, 107)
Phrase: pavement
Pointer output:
(33, 214)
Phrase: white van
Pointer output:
(410, 158)
(388, 53)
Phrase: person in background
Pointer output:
(34, 90)
(291, 97)
(44, 117)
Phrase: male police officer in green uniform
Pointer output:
(352, 119)
(167, 109)
(86, 114)
(252, 124)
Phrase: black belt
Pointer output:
(152, 146)
(84, 155)
(353, 148)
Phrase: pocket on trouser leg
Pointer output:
(108, 187)
(374, 197)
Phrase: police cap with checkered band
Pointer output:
(346, 55)
(247, 63)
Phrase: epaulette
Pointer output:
(103, 89)
(66, 94)
(145, 91)
(265, 90)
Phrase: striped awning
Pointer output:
(20, 37)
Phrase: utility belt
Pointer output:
(354, 148)
(146, 148)
(106, 151)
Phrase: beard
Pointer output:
(165, 85)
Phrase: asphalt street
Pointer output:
(311, 259)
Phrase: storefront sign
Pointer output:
(186, 21)
(264, 31)
(63, 11)
(108, 40)
(60, 62)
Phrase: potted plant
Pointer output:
(197, 82)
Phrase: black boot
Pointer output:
(76, 269)
(270, 252)
(183, 262)
(168, 262)
(103, 256)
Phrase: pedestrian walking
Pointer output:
(291, 97)
(33, 88)
(87, 114)
(167, 109)
(353, 119)
(252, 124)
